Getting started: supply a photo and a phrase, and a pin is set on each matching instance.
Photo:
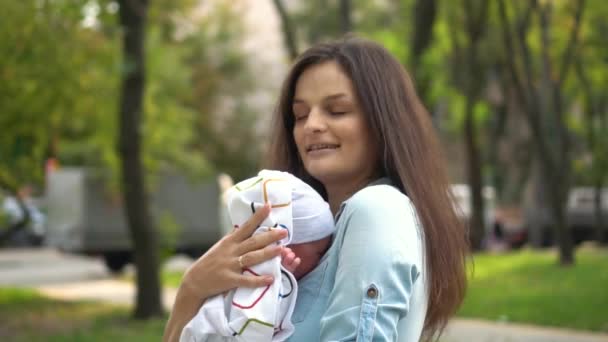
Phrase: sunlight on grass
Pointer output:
(171, 278)
(27, 316)
(530, 287)
(168, 278)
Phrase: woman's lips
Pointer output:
(321, 151)
(318, 147)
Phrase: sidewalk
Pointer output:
(459, 330)
(468, 330)
(111, 291)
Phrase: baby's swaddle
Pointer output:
(253, 314)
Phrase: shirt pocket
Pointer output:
(367, 318)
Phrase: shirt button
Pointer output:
(372, 293)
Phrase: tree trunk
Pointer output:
(346, 22)
(474, 177)
(600, 231)
(425, 12)
(289, 34)
(595, 146)
(564, 235)
(143, 235)
(475, 22)
(544, 107)
(551, 101)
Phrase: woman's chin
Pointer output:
(324, 175)
(320, 169)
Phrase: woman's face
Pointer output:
(330, 131)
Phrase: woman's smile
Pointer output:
(331, 131)
(320, 150)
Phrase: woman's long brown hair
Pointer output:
(411, 158)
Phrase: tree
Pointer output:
(425, 14)
(591, 56)
(132, 15)
(346, 21)
(288, 30)
(36, 75)
(543, 103)
(475, 24)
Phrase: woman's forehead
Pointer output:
(321, 82)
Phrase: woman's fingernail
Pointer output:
(268, 279)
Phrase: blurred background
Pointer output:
(123, 121)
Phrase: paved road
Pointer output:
(460, 330)
(36, 266)
(43, 266)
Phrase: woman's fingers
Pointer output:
(254, 281)
(261, 240)
(247, 229)
(260, 255)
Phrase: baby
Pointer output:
(263, 314)
(302, 258)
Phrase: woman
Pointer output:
(350, 124)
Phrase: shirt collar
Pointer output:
(378, 181)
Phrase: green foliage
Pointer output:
(220, 82)
(37, 83)
(59, 88)
(169, 231)
(530, 287)
(587, 87)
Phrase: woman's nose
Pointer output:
(315, 121)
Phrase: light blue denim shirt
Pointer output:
(370, 285)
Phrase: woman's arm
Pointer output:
(379, 262)
(220, 270)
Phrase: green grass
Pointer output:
(168, 278)
(526, 287)
(171, 278)
(529, 287)
(27, 316)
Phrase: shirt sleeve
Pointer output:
(379, 261)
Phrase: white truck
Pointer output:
(85, 218)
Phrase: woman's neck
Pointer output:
(340, 192)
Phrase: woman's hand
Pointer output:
(220, 268)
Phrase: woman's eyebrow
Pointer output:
(334, 97)
(325, 99)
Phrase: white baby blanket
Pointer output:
(253, 314)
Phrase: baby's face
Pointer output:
(310, 253)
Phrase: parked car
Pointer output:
(580, 211)
(580, 217)
(34, 232)
(509, 226)
(462, 197)
(502, 224)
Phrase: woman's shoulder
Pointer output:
(378, 205)
(380, 197)
(383, 219)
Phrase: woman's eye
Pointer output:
(299, 117)
(337, 110)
